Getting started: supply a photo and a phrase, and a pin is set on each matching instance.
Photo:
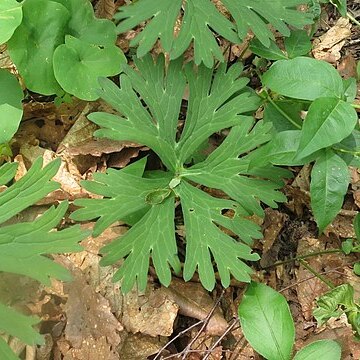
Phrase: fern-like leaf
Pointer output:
(201, 19)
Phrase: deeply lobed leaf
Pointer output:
(201, 19)
(216, 101)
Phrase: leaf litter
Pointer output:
(89, 319)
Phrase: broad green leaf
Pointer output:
(11, 110)
(201, 19)
(266, 322)
(350, 89)
(78, 65)
(297, 44)
(328, 121)
(304, 78)
(329, 182)
(204, 240)
(320, 350)
(358, 70)
(10, 18)
(85, 26)
(20, 326)
(283, 148)
(29, 189)
(148, 103)
(6, 352)
(271, 52)
(32, 46)
(356, 270)
(284, 115)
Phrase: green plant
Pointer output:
(146, 200)
(59, 46)
(24, 246)
(201, 18)
(328, 135)
(11, 110)
(269, 328)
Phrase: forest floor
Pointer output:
(89, 318)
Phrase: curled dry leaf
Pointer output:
(327, 47)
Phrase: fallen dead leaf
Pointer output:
(327, 47)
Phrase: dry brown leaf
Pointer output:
(151, 314)
(105, 9)
(194, 301)
(327, 47)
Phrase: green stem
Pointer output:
(356, 106)
(283, 113)
(316, 274)
(302, 257)
(350, 17)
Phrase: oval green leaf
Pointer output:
(329, 182)
(328, 121)
(297, 44)
(271, 52)
(78, 65)
(10, 18)
(266, 322)
(11, 110)
(304, 78)
(320, 350)
(32, 46)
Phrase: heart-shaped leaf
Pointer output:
(32, 46)
(78, 65)
(10, 18)
(10, 105)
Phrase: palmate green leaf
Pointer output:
(304, 78)
(6, 352)
(19, 325)
(329, 182)
(204, 240)
(328, 121)
(224, 170)
(320, 350)
(266, 322)
(24, 247)
(201, 18)
(146, 200)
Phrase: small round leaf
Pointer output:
(10, 18)
(10, 105)
(32, 46)
(78, 65)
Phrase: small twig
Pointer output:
(316, 274)
(302, 257)
(204, 323)
(217, 342)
